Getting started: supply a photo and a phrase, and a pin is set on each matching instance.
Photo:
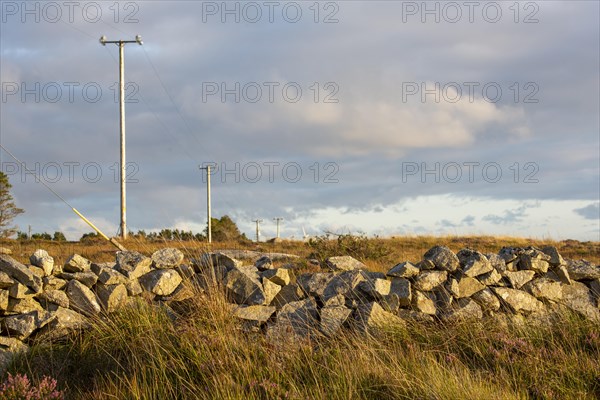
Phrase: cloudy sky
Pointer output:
(383, 117)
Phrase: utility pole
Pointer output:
(258, 221)
(208, 216)
(121, 44)
(277, 220)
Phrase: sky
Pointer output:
(378, 117)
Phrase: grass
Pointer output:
(196, 349)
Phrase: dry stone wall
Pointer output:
(46, 301)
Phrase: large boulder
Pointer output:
(519, 278)
(295, 320)
(544, 289)
(333, 318)
(424, 302)
(462, 310)
(22, 326)
(487, 300)
(426, 281)
(371, 317)
(473, 263)
(578, 298)
(111, 297)
(314, 284)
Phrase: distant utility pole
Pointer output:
(121, 44)
(209, 223)
(277, 220)
(258, 221)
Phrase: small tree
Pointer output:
(59, 237)
(8, 209)
(224, 229)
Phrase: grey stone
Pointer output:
(110, 276)
(413, 315)
(22, 326)
(345, 283)
(185, 271)
(57, 297)
(97, 268)
(264, 263)
(534, 260)
(295, 319)
(426, 281)
(5, 280)
(18, 291)
(473, 263)
(314, 284)
(271, 290)
(217, 259)
(161, 282)
(53, 283)
(254, 313)
(133, 287)
(37, 271)
(463, 310)
(578, 298)
(518, 301)
(82, 299)
(467, 287)
(562, 274)
(497, 262)
(167, 258)
(371, 317)
(88, 278)
(64, 321)
(244, 287)
(375, 289)
(344, 263)
(9, 347)
(41, 258)
(133, 264)
(555, 257)
(333, 318)
(509, 254)
(582, 270)
(423, 302)
(77, 263)
(544, 289)
(4, 300)
(491, 278)
(280, 276)
(519, 278)
(23, 306)
(425, 265)
(404, 270)
(288, 294)
(19, 272)
(111, 297)
(401, 287)
(487, 300)
(443, 258)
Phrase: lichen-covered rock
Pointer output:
(280, 276)
(333, 318)
(77, 263)
(41, 258)
(22, 306)
(20, 272)
(473, 263)
(555, 257)
(53, 283)
(423, 302)
(82, 299)
(442, 258)
(518, 300)
(401, 287)
(288, 294)
(371, 316)
(295, 320)
(426, 281)
(63, 322)
(111, 297)
(110, 276)
(264, 263)
(519, 278)
(271, 290)
(490, 278)
(216, 259)
(582, 270)
(345, 283)
(375, 289)
(578, 298)
(462, 310)
(497, 262)
(314, 284)
(258, 314)
(88, 278)
(167, 258)
(5, 280)
(244, 286)
(487, 300)
(53, 298)
(534, 260)
(133, 264)
(467, 287)
(161, 282)
(18, 291)
(344, 263)
(544, 289)
(404, 270)
(22, 326)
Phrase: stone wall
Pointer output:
(46, 301)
